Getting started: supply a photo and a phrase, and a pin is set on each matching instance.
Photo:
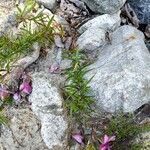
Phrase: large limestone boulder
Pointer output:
(122, 72)
(104, 6)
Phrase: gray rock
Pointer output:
(23, 132)
(106, 22)
(47, 105)
(91, 40)
(7, 16)
(122, 72)
(104, 6)
(142, 10)
(93, 33)
(49, 4)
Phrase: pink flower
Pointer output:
(106, 142)
(78, 138)
(26, 88)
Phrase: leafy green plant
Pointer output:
(25, 13)
(3, 119)
(11, 48)
(90, 146)
(76, 92)
(8, 101)
(137, 147)
(14, 47)
(125, 129)
(122, 126)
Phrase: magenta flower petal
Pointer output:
(106, 139)
(106, 142)
(78, 138)
(104, 146)
(25, 88)
(21, 86)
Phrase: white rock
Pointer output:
(47, 105)
(6, 6)
(49, 4)
(91, 40)
(106, 22)
(7, 16)
(93, 33)
(122, 72)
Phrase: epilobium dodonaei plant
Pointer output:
(77, 91)
(3, 118)
(13, 48)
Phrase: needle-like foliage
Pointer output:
(125, 130)
(11, 48)
(14, 47)
(77, 91)
(3, 119)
